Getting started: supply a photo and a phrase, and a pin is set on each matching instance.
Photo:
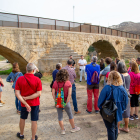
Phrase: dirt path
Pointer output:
(92, 126)
(4, 65)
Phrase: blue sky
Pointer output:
(97, 12)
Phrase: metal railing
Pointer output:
(23, 21)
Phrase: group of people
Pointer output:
(118, 80)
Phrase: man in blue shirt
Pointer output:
(58, 67)
(92, 88)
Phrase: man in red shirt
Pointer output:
(28, 90)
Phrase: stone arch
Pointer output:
(13, 56)
(105, 49)
(137, 47)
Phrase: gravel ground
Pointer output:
(92, 126)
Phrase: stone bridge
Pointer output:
(45, 48)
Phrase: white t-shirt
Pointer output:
(82, 62)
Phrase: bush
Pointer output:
(6, 72)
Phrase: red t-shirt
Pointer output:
(67, 85)
(27, 90)
(107, 75)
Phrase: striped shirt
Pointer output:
(72, 74)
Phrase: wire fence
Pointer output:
(21, 21)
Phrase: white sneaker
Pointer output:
(63, 132)
(75, 129)
(1, 104)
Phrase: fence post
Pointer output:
(18, 20)
(55, 24)
(80, 27)
(111, 31)
(38, 24)
(90, 28)
(69, 26)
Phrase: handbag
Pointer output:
(124, 85)
(51, 84)
(109, 109)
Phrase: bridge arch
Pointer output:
(13, 56)
(104, 49)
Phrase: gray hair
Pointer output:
(30, 67)
(94, 58)
(121, 67)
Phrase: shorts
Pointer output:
(0, 89)
(96, 86)
(34, 113)
(134, 100)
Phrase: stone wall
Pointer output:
(32, 44)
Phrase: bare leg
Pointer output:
(72, 123)
(126, 121)
(61, 125)
(132, 111)
(21, 126)
(34, 129)
(0, 95)
(119, 127)
(136, 110)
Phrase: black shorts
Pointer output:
(134, 100)
(96, 86)
(34, 113)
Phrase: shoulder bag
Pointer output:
(109, 109)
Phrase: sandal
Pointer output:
(124, 130)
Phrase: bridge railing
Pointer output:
(23, 21)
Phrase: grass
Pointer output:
(47, 78)
(1, 58)
(6, 72)
(129, 125)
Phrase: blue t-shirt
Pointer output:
(90, 69)
(54, 74)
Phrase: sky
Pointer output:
(97, 12)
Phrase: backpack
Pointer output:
(59, 100)
(95, 78)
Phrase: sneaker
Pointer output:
(75, 129)
(1, 105)
(136, 116)
(21, 137)
(131, 118)
(36, 137)
(78, 112)
(79, 81)
(96, 111)
(63, 132)
(88, 111)
(2, 102)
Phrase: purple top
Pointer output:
(72, 74)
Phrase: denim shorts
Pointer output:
(34, 113)
(0, 89)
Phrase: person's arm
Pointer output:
(33, 96)
(18, 95)
(1, 81)
(8, 79)
(53, 93)
(102, 97)
(85, 63)
(69, 94)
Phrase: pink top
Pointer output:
(107, 75)
(133, 77)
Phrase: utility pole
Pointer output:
(73, 12)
